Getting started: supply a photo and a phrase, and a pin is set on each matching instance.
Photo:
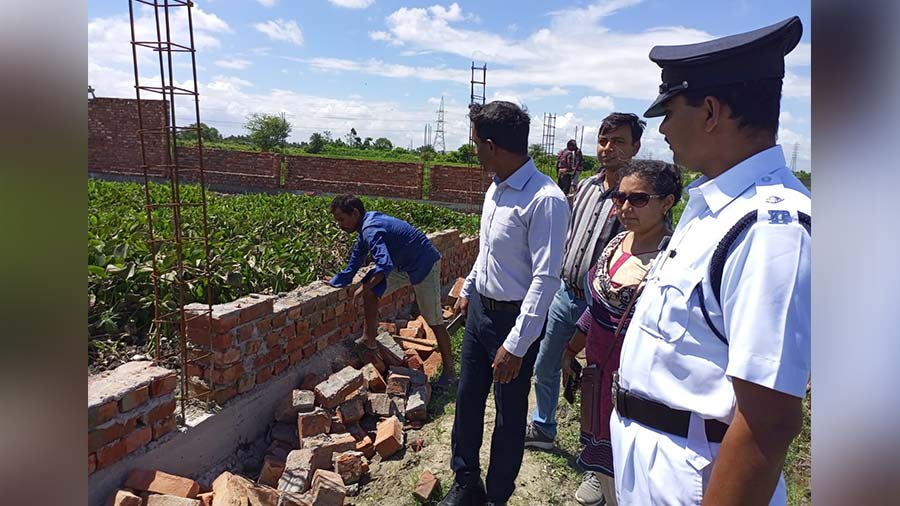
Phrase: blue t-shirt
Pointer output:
(394, 244)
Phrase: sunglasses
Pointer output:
(636, 199)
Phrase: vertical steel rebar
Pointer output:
(171, 268)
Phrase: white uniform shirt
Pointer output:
(522, 237)
(669, 353)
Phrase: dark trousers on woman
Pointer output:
(485, 332)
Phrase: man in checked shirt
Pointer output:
(592, 225)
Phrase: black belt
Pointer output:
(659, 416)
(501, 305)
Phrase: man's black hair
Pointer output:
(347, 203)
(620, 119)
(755, 104)
(504, 123)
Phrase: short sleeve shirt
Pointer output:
(670, 354)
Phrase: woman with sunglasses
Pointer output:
(647, 192)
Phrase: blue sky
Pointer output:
(382, 66)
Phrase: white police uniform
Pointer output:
(670, 353)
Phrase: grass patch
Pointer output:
(798, 463)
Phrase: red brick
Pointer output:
(324, 446)
(273, 337)
(295, 357)
(158, 482)
(417, 333)
(389, 438)
(163, 427)
(245, 332)
(413, 361)
(124, 498)
(328, 488)
(279, 319)
(373, 380)
(302, 327)
(227, 357)
(351, 466)
(432, 364)
(110, 453)
(339, 309)
(426, 487)
(252, 347)
(352, 410)
(264, 374)
(92, 463)
(222, 396)
(317, 421)
(204, 339)
(134, 398)
(310, 350)
(102, 413)
(254, 307)
(366, 446)
(206, 498)
(246, 382)
(338, 386)
(325, 328)
(397, 384)
(160, 412)
(227, 376)
(336, 337)
(280, 366)
(390, 328)
(138, 439)
(288, 332)
(271, 472)
(99, 438)
(164, 385)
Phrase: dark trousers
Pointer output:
(564, 180)
(485, 332)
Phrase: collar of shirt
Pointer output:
(722, 190)
(518, 179)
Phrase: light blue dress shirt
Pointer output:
(522, 238)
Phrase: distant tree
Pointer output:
(467, 153)
(383, 144)
(267, 131)
(367, 144)
(426, 152)
(535, 151)
(317, 143)
(589, 163)
(207, 133)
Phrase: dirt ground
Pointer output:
(545, 478)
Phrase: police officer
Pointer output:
(716, 361)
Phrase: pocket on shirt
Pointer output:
(508, 234)
(669, 313)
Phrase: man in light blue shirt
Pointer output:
(505, 298)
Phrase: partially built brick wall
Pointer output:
(361, 177)
(251, 340)
(238, 169)
(113, 143)
(463, 185)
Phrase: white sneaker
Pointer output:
(588, 492)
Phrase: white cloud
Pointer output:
(281, 30)
(381, 68)
(796, 86)
(267, 3)
(596, 102)
(801, 56)
(352, 4)
(234, 64)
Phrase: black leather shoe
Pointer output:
(465, 495)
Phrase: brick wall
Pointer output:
(127, 408)
(250, 341)
(463, 185)
(361, 177)
(113, 143)
(257, 337)
(240, 169)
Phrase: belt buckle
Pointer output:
(616, 393)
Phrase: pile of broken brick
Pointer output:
(326, 433)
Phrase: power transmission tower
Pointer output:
(794, 157)
(439, 133)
